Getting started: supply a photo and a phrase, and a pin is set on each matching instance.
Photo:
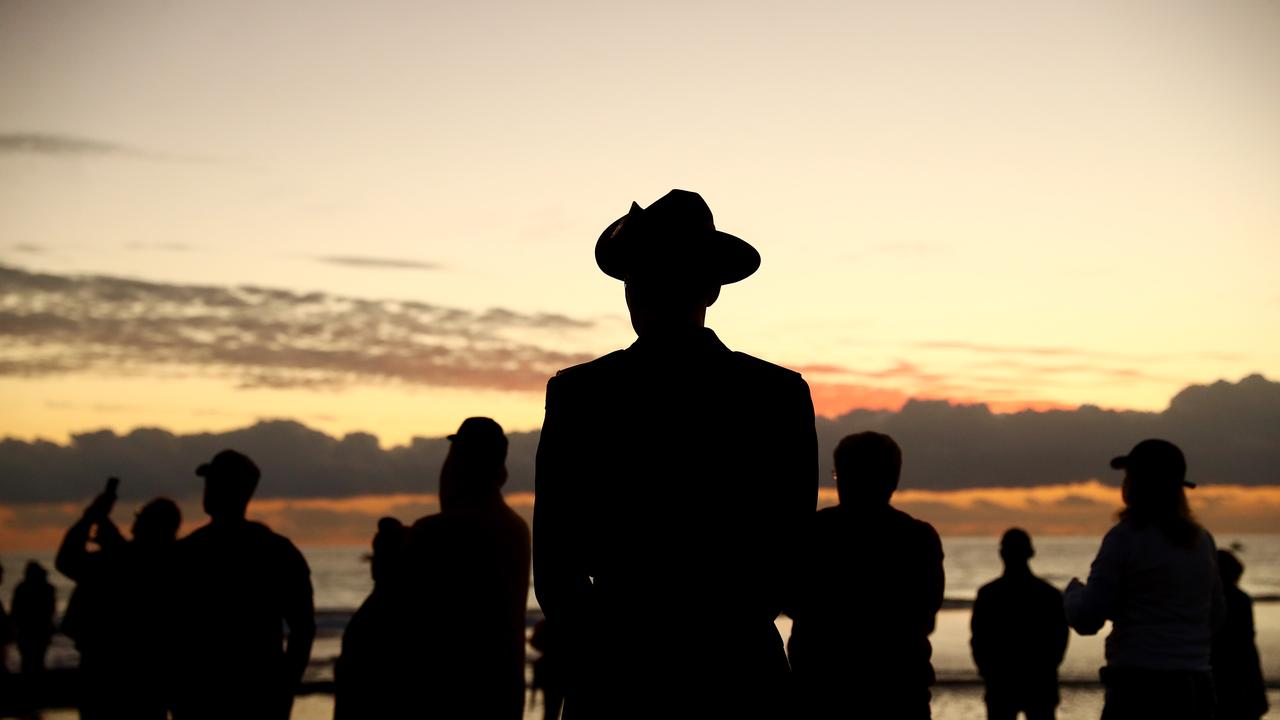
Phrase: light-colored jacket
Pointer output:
(1164, 601)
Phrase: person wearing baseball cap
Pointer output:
(466, 574)
(240, 585)
(1156, 579)
(673, 479)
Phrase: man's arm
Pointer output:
(798, 470)
(980, 632)
(1061, 633)
(935, 579)
(560, 584)
(73, 558)
(300, 615)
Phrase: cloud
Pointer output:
(296, 462)
(65, 145)
(29, 248)
(262, 337)
(1230, 432)
(378, 263)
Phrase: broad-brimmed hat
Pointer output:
(1155, 458)
(674, 237)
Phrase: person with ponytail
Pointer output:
(1156, 579)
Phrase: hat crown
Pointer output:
(678, 209)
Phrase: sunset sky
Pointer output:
(1031, 204)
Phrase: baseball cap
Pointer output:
(230, 464)
(1154, 457)
(482, 437)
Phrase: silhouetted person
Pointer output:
(373, 644)
(548, 673)
(467, 573)
(1237, 671)
(120, 614)
(1156, 579)
(6, 635)
(242, 584)
(870, 585)
(672, 478)
(1019, 636)
(33, 606)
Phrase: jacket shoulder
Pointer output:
(584, 372)
(765, 369)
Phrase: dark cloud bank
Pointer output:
(1230, 431)
(260, 337)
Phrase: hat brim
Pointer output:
(204, 469)
(1122, 462)
(710, 254)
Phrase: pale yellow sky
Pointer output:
(940, 191)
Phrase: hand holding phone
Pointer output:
(100, 508)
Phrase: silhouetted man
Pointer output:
(870, 587)
(1019, 636)
(7, 691)
(121, 612)
(33, 605)
(242, 584)
(1237, 671)
(6, 632)
(672, 478)
(371, 669)
(467, 573)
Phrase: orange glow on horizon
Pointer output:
(1087, 508)
(831, 400)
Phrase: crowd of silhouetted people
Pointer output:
(660, 603)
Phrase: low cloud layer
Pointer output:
(52, 324)
(1230, 432)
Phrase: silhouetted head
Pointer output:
(1229, 568)
(388, 543)
(673, 261)
(476, 465)
(1154, 489)
(35, 572)
(229, 481)
(868, 465)
(1015, 547)
(157, 522)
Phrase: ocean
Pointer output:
(341, 580)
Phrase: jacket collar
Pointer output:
(698, 340)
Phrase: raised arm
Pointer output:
(73, 558)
